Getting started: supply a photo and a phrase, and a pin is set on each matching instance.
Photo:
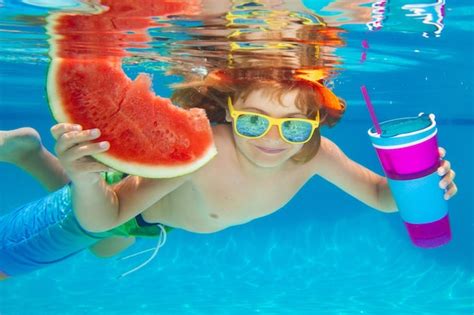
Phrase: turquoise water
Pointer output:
(324, 252)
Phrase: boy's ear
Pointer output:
(323, 117)
(227, 116)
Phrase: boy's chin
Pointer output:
(268, 164)
(269, 161)
(266, 160)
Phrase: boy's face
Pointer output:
(270, 150)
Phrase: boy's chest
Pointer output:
(215, 204)
(241, 198)
(221, 195)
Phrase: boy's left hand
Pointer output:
(448, 174)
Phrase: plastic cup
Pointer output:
(408, 151)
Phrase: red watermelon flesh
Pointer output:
(148, 135)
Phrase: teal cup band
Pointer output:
(419, 200)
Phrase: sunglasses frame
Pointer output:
(272, 122)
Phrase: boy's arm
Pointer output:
(136, 194)
(386, 200)
(98, 206)
(358, 181)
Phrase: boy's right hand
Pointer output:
(74, 149)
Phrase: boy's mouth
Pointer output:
(270, 150)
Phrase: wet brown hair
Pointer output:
(212, 97)
(272, 71)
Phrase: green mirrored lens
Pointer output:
(251, 125)
(296, 130)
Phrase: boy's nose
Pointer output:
(273, 133)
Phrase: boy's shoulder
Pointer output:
(328, 156)
(328, 148)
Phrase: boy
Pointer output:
(252, 176)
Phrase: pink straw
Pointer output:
(371, 109)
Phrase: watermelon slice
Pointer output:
(148, 135)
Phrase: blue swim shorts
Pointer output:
(41, 233)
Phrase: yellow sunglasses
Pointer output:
(253, 125)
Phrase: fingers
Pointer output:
(445, 167)
(74, 147)
(59, 129)
(447, 183)
(70, 135)
(442, 152)
(450, 191)
(447, 180)
(84, 150)
(69, 139)
(74, 144)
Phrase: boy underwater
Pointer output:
(267, 132)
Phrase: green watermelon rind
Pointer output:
(139, 169)
(156, 171)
